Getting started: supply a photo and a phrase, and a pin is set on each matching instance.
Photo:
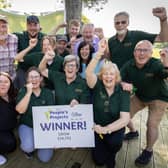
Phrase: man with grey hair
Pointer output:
(87, 36)
(147, 75)
(122, 44)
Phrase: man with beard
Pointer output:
(32, 34)
(8, 48)
(121, 45)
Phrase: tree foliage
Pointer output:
(4, 4)
(95, 4)
(73, 8)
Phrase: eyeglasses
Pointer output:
(120, 22)
(144, 50)
(34, 77)
(70, 65)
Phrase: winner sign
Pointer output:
(63, 126)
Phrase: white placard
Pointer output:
(63, 126)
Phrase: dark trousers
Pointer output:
(20, 79)
(106, 149)
(7, 142)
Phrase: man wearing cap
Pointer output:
(31, 35)
(61, 45)
(8, 48)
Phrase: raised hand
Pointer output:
(160, 12)
(33, 42)
(50, 54)
(29, 87)
(102, 45)
(62, 25)
(164, 56)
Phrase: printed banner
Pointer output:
(63, 126)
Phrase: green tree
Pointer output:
(4, 4)
(73, 8)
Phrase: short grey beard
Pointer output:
(121, 32)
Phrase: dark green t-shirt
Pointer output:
(107, 109)
(122, 51)
(23, 42)
(148, 81)
(65, 92)
(45, 98)
(35, 58)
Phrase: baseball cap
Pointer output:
(61, 37)
(3, 18)
(32, 19)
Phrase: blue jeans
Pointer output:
(27, 143)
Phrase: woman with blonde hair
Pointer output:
(111, 109)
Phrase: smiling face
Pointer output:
(70, 69)
(48, 44)
(45, 45)
(4, 85)
(88, 32)
(121, 23)
(33, 29)
(3, 30)
(109, 77)
(142, 53)
(84, 52)
(109, 74)
(74, 30)
(61, 46)
(35, 78)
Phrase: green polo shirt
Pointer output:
(122, 51)
(65, 53)
(34, 59)
(148, 81)
(45, 98)
(107, 108)
(65, 92)
(23, 42)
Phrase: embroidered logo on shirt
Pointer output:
(78, 90)
(103, 96)
(128, 44)
(149, 74)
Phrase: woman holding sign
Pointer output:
(8, 116)
(111, 109)
(32, 95)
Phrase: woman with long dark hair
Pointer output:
(8, 116)
(85, 53)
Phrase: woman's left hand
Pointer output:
(99, 129)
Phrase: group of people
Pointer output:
(89, 69)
